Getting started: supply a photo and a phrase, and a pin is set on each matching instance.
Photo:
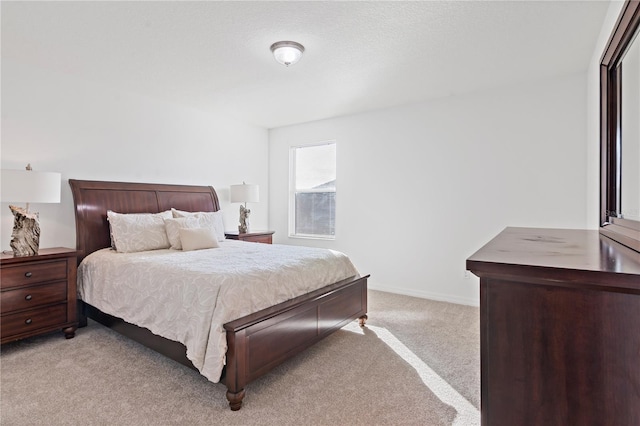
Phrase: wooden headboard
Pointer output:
(92, 199)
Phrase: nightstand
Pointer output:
(38, 294)
(254, 237)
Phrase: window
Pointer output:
(312, 198)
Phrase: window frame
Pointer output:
(292, 191)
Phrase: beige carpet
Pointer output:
(416, 363)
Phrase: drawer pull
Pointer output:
(28, 297)
(28, 321)
(28, 274)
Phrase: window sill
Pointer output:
(313, 237)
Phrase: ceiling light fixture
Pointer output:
(287, 52)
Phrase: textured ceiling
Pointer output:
(359, 55)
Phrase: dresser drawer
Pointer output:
(32, 273)
(31, 297)
(34, 319)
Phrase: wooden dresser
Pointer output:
(560, 329)
(38, 294)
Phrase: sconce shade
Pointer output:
(245, 193)
(287, 52)
(22, 186)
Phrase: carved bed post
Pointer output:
(235, 371)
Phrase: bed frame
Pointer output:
(257, 342)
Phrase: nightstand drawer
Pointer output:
(31, 297)
(34, 319)
(265, 239)
(33, 273)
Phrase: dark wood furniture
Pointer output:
(625, 230)
(559, 318)
(38, 294)
(256, 343)
(253, 237)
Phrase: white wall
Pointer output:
(422, 187)
(458, 171)
(86, 131)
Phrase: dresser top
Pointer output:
(570, 252)
(43, 254)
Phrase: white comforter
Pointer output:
(188, 296)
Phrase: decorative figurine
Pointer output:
(244, 219)
(25, 238)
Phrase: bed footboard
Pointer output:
(259, 342)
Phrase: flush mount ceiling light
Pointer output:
(287, 52)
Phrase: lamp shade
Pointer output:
(27, 186)
(245, 193)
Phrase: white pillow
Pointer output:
(135, 232)
(198, 238)
(208, 220)
(174, 224)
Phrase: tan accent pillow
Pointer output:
(197, 238)
(174, 224)
(207, 220)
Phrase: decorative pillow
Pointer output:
(198, 238)
(174, 224)
(181, 213)
(208, 220)
(138, 231)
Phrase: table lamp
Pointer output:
(244, 193)
(28, 186)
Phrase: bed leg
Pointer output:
(235, 399)
(82, 315)
(362, 321)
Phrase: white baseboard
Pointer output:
(425, 295)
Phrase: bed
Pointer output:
(256, 342)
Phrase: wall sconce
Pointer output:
(244, 193)
(29, 187)
(287, 52)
